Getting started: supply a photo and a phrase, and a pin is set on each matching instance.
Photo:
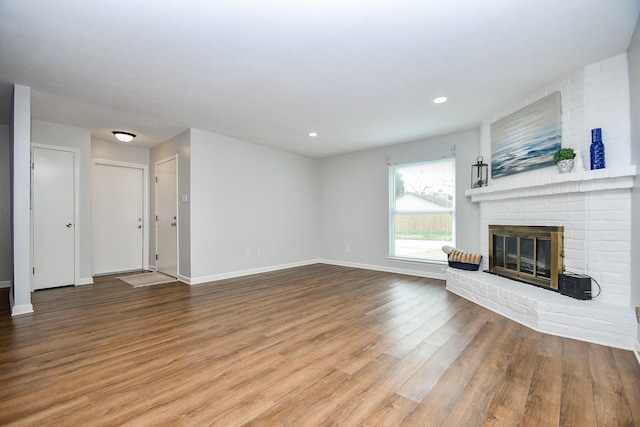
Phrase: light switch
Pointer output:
(185, 198)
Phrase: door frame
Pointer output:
(76, 209)
(164, 160)
(145, 204)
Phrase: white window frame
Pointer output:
(392, 209)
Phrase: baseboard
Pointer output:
(636, 351)
(5, 283)
(408, 272)
(17, 310)
(85, 281)
(233, 274)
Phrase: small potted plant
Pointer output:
(564, 159)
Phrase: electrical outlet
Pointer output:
(247, 254)
(258, 252)
(347, 249)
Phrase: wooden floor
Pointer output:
(310, 346)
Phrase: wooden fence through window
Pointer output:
(424, 223)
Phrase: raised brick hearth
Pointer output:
(547, 311)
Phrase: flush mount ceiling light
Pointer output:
(313, 133)
(440, 100)
(124, 136)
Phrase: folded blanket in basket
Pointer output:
(466, 257)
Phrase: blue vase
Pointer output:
(597, 149)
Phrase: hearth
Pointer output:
(530, 254)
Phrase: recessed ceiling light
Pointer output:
(313, 133)
(440, 100)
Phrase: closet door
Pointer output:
(53, 218)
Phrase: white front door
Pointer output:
(167, 218)
(53, 218)
(118, 222)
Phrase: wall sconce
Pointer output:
(124, 136)
(479, 173)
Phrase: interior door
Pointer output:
(53, 218)
(117, 211)
(167, 218)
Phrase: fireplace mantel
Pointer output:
(576, 182)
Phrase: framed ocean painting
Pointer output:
(526, 140)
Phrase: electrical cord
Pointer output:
(599, 288)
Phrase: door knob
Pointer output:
(69, 225)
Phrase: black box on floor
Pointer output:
(575, 285)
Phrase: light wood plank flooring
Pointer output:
(310, 346)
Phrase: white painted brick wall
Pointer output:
(597, 224)
(596, 241)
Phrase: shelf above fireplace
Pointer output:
(576, 182)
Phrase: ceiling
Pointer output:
(360, 73)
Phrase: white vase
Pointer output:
(565, 166)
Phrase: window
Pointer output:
(422, 209)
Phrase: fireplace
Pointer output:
(593, 207)
(530, 254)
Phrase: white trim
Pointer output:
(145, 203)
(5, 283)
(184, 279)
(636, 350)
(85, 281)
(17, 310)
(155, 187)
(417, 273)
(233, 274)
(391, 227)
(76, 208)
(418, 261)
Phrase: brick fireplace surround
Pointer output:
(595, 209)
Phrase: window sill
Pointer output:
(416, 260)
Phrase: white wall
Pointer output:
(6, 254)
(354, 200)
(119, 152)
(595, 96)
(72, 137)
(246, 197)
(181, 146)
(20, 199)
(634, 82)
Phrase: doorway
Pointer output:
(167, 216)
(55, 180)
(119, 216)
